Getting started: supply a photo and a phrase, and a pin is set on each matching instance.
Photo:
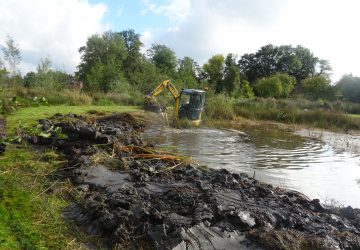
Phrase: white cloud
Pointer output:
(55, 28)
(146, 38)
(120, 10)
(175, 10)
(327, 27)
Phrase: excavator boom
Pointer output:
(160, 88)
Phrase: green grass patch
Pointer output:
(354, 116)
(28, 116)
(30, 204)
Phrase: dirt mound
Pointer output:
(136, 196)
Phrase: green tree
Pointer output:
(308, 63)
(317, 87)
(295, 61)
(260, 64)
(187, 73)
(231, 75)
(134, 58)
(244, 90)
(12, 55)
(214, 71)
(44, 66)
(102, 60)
(3, 73)
(278, 85)
(30, 79)
(349, 86)
(323, 69)
(163, 58)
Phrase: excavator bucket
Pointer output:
(154, 107)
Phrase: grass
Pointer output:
(355, 116)
(30, 200)
(318, 114)
(29, 116)
(70, 97)
(31, 218)
(296, 112)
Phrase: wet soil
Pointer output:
(137, 197)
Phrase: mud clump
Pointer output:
(138, 197)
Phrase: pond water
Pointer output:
(315, 167)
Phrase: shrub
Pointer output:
(317, 87)
(279, 85)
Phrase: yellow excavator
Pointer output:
(189, 103)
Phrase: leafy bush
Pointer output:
(278, 86)
(244, 90)
(317, 87)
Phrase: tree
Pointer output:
(44, 75)
(307, 61)
(3, 73)
(278, 85)
(102, 60)
(295, 61)
(317, 87)
(260, 64)
(323, 69)
(187, 73)
(349, 86)
(12, 55)
(30, 79)
(231, 75)
(134, 57)
(164, 58)
(246, 90)
(44, 66)
(214, 70)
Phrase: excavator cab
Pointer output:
(192, 103)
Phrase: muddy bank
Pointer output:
(136, 196)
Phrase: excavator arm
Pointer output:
(160, 88)
(174, 92)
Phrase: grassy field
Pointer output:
(29, 116)
(30, 202)
(355, 116)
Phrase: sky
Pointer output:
(56, 29)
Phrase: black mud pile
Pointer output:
(134, 201)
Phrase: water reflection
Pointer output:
(280, 158)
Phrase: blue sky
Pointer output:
(195, 28)
(128, 14)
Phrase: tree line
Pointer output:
(113, 61)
